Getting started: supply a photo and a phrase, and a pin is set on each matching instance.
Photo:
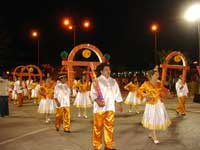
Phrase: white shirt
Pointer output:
(17, 87)
(110, 92)
(181, 91)
(4, 86)
(28, 83)
(62, 93)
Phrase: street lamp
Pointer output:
(154, 28)
(35, 34)
(193, 14)
(73, 26)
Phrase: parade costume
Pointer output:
(82, 99)
(182, 93)
(155, 115)
(25, 90)
(29, 87)
(35, 92)
(134, 97)
(104, 116)
(47, 104)
(62, 96)
(14, 95)
(10, 91)
(19, 91)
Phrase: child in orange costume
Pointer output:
(134, 97)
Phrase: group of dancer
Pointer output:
(20, 89)
(55, 99)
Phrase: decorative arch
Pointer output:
(67, 64)
(165, 65)
(25, 71)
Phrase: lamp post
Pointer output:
(35, 34)
(74, 33)
(154, 28)
(73, 26)
(193, 14)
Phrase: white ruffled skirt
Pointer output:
(47, 106)
(83, 100)
(132, 99)
(14, 95)
(34, 93)
(155, 117)
(25, 92)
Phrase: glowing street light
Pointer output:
(86, 24)
(193, 13)
(154, 28)
(35, 34)
(66, 22)
(72, 26)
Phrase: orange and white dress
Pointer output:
(155, 115)
(35, 90)
(83, 99)
(134, 97)
(47, 104)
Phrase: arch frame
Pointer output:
(28, 74)
(69, 63)
(165, 65)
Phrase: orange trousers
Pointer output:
(103, 122)
(63, 113)
(181, 105)
(19, 99)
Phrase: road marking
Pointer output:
(24, 135)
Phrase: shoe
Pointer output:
(57, 129)
(46, 121)
(137, 112)
(79, 115)
(177, 113)
(110, 149)
(183, 114)
(129, 111)
(85, 116)
(156, 141)
(68, 131)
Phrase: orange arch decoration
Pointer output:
(27, 71)
(165, 65)
(67, 64)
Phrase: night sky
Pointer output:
(120, 28)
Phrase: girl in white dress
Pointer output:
(82, 99)
(155, 115)
(47, 104)
(134, 98)
(35, 91)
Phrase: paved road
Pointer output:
(25, 129)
